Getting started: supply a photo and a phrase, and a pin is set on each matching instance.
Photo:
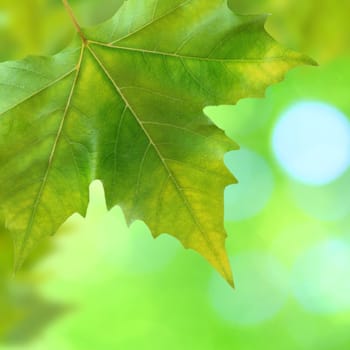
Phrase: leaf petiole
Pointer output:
(74, 20)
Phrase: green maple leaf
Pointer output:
(123, 104)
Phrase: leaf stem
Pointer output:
(74, 20)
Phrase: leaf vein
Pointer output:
(151, 22)
(51, 158)
(162, 159)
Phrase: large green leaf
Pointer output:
(123, 104)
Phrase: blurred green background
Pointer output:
(100, 285)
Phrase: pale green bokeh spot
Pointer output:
(262, 290)
(256, 184)
(321, 277)
(4, 19)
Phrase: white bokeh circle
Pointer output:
(311, 141)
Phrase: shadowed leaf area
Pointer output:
(24, 312)
(124, 104)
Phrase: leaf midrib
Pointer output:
(162, 159)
